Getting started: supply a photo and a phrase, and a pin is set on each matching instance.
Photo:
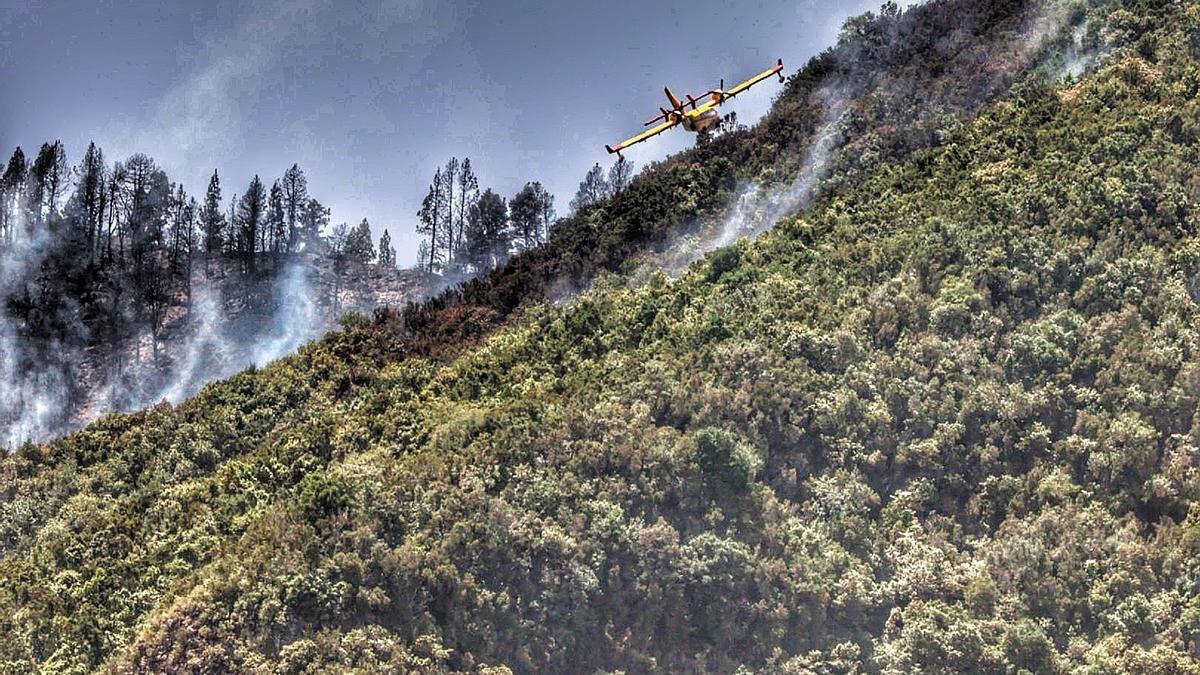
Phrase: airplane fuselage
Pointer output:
(701, 121)
(693, 120)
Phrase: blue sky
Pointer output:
(370, 97)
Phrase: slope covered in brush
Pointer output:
(889, 87)
(940, 419)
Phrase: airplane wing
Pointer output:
(730, 93)
(645, 135)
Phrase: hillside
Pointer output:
(937, 417)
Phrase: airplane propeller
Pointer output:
(664, 114)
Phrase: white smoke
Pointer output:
(205, 343)
(31, 401)
(758, 207)
(295, 319)
(215, 347)
(30, 398)
(1078, 57)
(212, 343)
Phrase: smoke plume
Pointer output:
(47, 391)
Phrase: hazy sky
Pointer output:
(370, 97)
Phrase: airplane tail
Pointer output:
(675, 103)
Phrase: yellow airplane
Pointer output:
(700, 117)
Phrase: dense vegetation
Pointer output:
(942, 419)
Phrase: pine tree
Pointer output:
(468, 194)
(276, 224)
(46, 182)
(314, 219)
(423, 255)
(232, 239)
(295, 201)
(619, 176)
(113, 220)
(359, 248)
(545, 202)
(12, 187)
(338, 243)
(87, 205)
(387, 253)
(212, 221)
(429, 220)
(449, 187)
(146, 195)
(181, 238)
(592, 189)
(530, 211)
(193, 208)
(486, 237)
(250, 215)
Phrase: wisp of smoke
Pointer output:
(35, 392)
(1078, 57)
(295, 319)
(758, 208)
(31, 401)
(215, 348)
(31, 398)
(203, 345)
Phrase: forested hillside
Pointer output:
(938, 417)
(118, 289)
